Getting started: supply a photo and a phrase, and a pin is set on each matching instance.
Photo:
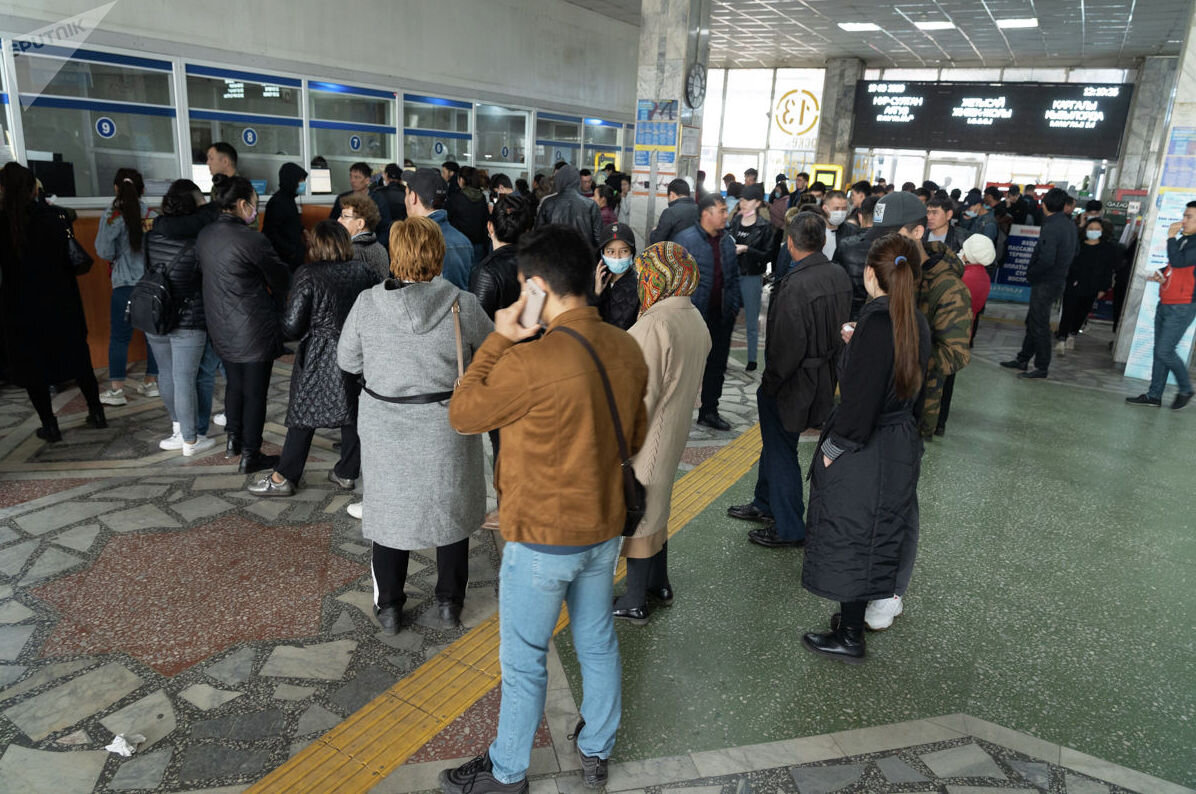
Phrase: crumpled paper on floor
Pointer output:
(125, 744)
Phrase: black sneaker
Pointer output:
(593, 768)
(1144, 399)
(751, 366)
(1034, 374)
(1180, 401)
(1016, 364)
(476, 777)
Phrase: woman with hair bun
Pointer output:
(863, 516)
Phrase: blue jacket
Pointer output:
(985, 224)
(697, 242)
(458, 252)
(112, 243)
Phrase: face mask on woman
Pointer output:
(1093, 234)
(616, 266)
(838, 216)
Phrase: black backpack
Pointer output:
(151, 307)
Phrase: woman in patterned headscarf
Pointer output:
(673, 336)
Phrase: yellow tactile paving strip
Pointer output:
(369, 745)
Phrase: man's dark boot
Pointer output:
(96, 418)
(256, 461)
(845, 644)
(1016, 363)
(50, 432)
(232, 447)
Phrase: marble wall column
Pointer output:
(838, 110)
(1153, 89)
(674, 35)
(1182, 113)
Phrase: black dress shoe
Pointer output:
(446, 616)
(637, 616)
(714, 422)
(769, 539)
(1180, 401)
(664, 595)
(388, 618)
(50, 432)
(343, 482)
(940, 431)
(749, 512)
(1034, 374)
(232, 447)
(751, 366)
(1144, 399)
(96, 418)
(1016, 364)
(844, 644)
(256, 461)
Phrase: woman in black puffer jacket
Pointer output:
(186, 361)
(322, 395)
(244, 284)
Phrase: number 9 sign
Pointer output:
(105, 127)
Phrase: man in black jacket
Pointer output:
(809, 305)
(282, 225)
(394, 194)
(939, 214)
(1047, 274)
(359, 183)
(681, 213)
(567, 206)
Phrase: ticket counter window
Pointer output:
(558, 138)
(436, 130)
(502, 140)
(87, 115)
(601, 138)
(351, 125)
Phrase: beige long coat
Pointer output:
(675, 342)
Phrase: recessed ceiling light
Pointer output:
(1029, 22)
(934, 25)
(859, 27)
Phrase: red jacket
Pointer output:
(1179, 284)
(976, 279)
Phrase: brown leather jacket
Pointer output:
(558, 477)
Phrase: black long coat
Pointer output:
(244, 282)
(322, 395)
(45, 332)
(864, 508)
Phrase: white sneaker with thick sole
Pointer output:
(880, 614)
(202, 444)
(176, 438)
(113, 397)
(220, 420)
(1060, 346)
(1071, 343)
(354, 509)
(148, 388)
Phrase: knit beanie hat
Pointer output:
(666, 270)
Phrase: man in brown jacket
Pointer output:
(561, 505)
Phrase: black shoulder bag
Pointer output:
(634, 493)
(151, 307)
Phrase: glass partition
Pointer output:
(258, 115)
(601, 143)
(89, 113)
(6, 143)
(350, 125)
(437, 129)
(745, 114)
(557, 138)
(502, 140)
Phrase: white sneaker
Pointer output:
(1060, 346)
(1071, 343)
(880, 614)
(113, 397)
(176, 438)
(201, 444)
(220, 420)
(354, 509)
(148, 388)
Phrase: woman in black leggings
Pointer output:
(45, 333)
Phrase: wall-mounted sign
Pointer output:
(355, 143)
(797, 111)
(1065, 119)
(105, 127)
(438, 147)
(249, 136)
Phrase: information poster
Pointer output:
(1171, 205)
(1011, 283)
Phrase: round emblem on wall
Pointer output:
(105, 127)
(249, 136)
(797, 112)
(355, 142)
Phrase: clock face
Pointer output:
(695, 85)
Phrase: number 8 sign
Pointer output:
(105, 127)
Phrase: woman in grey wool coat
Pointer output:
(424, 483)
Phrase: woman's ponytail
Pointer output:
(894, 260)
(129, 187)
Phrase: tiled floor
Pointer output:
(144, 593)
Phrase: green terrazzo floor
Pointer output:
(1053, 595)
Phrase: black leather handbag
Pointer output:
(634, 492)
(81, 261)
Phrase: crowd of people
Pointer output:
(447, 303)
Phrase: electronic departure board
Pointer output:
(1059, 119)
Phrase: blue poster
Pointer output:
(643, 158)
(1011, 283)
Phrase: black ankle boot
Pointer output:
(845, 644)
(96, 418)
(50, 432)
(232, 447)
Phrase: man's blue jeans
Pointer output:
(532, 585)
(778, 481)
(751, 288)
(1171, 322)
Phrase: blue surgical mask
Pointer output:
(969, 213)
(1093, 234)
(616, 266)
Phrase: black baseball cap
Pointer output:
(617, 231)
(781, 178)
(427, 183)
(751, 192)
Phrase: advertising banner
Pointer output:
(1010, 283)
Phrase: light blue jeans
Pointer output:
(531, 587)
(752, 290)
(179, 355)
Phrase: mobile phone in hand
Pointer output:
(534, 306)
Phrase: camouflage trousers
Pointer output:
(932, 403)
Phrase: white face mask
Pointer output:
(969, 213)
(838, 216)
(1093, 234)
